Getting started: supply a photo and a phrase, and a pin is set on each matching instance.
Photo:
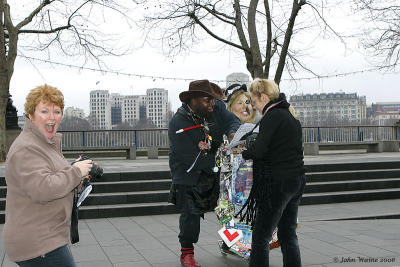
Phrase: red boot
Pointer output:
(187, 260)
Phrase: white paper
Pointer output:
(243, 129)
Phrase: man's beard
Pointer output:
(204, 113)
(201, 111)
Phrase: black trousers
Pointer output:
(193, 202)
(286, 195)
(189, 228)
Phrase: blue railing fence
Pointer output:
(106, 138)
(323, 134)
(144, 138)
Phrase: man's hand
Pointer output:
(231, 135)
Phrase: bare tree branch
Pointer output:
(381, 36)
(197, 20)
(268, 52)
(295, 10)
(29, 18)
(218, 15)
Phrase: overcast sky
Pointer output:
(206, 61)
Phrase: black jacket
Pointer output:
(279, 142)
(184, 146)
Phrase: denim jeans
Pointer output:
(60, 257)
(285, 199)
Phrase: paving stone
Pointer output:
(158, 230)
(94, 264)
(366, 250)
(125, 253)
(158, 255)
(145, 242)
(133, 264)
(88, 253)
(321, 247)
(327, 237)
(131, 241)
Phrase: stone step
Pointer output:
(351, 185)
(349, 196)
(138, 209)
(123, 210)
(352, 175)
(120, 186)
(124, 176)
(352, 166)
(125, 198)
(131, 186)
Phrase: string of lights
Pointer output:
(112, 71)
(319, 77)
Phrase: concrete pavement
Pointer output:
(324, 240)
(152, 240)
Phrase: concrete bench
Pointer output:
(130, 150)
(153, 152)
(370, 146)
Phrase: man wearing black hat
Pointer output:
(195, 133)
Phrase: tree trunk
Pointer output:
(4, 86)
(7, 60)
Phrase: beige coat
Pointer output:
(40, 185)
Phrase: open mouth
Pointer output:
(244, 113)
(49, 128)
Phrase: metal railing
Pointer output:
(344, 134)
(107, 138)
(159, 137)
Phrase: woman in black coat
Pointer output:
(279, 176)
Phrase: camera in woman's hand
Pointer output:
(96, 171)
(250, 140)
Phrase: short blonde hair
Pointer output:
(293, 112)
(264, 86)
(233, 99)
(44, 93)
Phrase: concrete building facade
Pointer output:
(329, 109)
(108, 110)
(157, 106)
(74, 112)
(238, 77)
(100, 109)
(385, 113)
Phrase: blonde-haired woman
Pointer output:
(238, 102)
(279, 176)
(40, 185)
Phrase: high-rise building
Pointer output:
(130, 110)
(238, 77)
(115, 108)
(329, 109)
(157, 106)
(74, 112)
(107, 110)
(100, 109)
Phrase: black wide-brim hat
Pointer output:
(198, 88)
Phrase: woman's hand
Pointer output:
(84, 166)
